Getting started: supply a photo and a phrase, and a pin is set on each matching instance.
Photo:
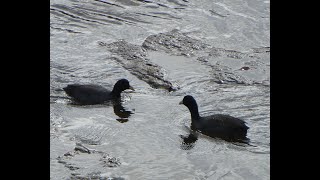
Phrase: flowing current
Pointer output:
(218, 51)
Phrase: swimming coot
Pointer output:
(95, 94)
(218, 125)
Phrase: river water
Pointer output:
(215, 50)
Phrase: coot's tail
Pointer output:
(68, 90)
(240, 133)
(244, 141)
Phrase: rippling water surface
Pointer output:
(147, 136)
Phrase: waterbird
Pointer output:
(218, 125)
(89, 94)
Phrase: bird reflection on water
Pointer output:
(188, 141)
(118, 109)
(121, 112)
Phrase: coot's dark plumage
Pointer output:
(219, 125)
(95, 94)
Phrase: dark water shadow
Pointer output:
(118, 108)
(188, 141)
(121, 111)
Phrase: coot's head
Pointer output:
(191, 104)
(122, 85)
(188, 101)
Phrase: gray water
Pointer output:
(215, 50)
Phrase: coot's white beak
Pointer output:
(130, 87)
(181, 102)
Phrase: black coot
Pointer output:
(219, 125)
(95, 94)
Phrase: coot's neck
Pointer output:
(116, 93)
(194, 111)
